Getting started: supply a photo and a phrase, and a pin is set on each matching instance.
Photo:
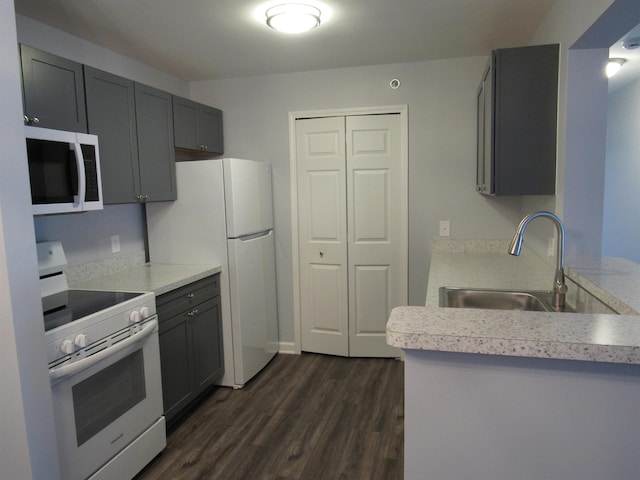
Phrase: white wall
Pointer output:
(594, 26)
(441, 99)
(442, 140)
(27, 438)
(621, 226)
(87, 237)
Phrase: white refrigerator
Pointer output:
(224, 215)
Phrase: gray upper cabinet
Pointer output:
(134, 127)
(517, 103)
(111, 114)
(156, 155)
(197, 127)
(53, 91)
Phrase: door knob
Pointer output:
(321, 254)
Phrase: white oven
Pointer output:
(109, 404)
(104, 366)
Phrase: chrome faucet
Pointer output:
(559, 285)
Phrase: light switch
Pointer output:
(445, 228)
(115, 243)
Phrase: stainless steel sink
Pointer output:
(537, 301)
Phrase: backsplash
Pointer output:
(100, 268)
(585, 302)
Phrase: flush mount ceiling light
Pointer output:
(614, 65)
(293, 17)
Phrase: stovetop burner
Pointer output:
(71, 305)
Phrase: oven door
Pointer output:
(101, 408)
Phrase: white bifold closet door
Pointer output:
(352, 271)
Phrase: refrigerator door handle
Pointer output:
(253, 236)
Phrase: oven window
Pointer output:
(104, 397)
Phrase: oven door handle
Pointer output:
(73, 368)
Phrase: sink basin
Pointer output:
(537, 301)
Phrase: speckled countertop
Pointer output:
(150, 277)
(570, 336)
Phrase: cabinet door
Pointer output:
(206, 329)
(525, 120)
(53, 91)
(154, 121)
(484, 106)
(185, 123)
(111, 114)
(175, 363)
(197, 127)
(210, 129)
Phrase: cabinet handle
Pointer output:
(26, 120)
(35, 120)
(192, 313)
(31, 120)
(191, 296)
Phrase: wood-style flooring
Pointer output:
(303, 417)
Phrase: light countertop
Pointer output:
(150, 277)
(573, 336)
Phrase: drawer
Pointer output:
(187, 297)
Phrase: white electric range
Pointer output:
(104, 366)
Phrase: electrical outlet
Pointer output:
(445, 228)
(115, 243)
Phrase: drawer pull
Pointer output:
(192, 313)
(191, 296)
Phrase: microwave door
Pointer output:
(92, 186)
(64, 170)
(53, 172)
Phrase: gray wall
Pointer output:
(441, 145)
(27, 434)
(442, 140)
(621, 229)
(441, 100)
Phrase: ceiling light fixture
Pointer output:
(614, 65)
(293, 17)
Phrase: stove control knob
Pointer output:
(67, 346)
(134, 316)
(81, 340)
(144, 312)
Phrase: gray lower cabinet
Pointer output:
(517, 105)
(197, 127)
(190, 343)
(53, 91)
(134, 127)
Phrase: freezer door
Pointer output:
(252, 275)
(247, 188)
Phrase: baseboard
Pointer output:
(287, 347)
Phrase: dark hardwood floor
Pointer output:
(304, 417)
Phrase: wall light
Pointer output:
(614, 65)
(293, 17)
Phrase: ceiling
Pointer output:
(630, 71)
(210, 39)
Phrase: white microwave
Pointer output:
(64, 171)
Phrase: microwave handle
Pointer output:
(82, 179)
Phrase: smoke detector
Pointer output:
(631, 43)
